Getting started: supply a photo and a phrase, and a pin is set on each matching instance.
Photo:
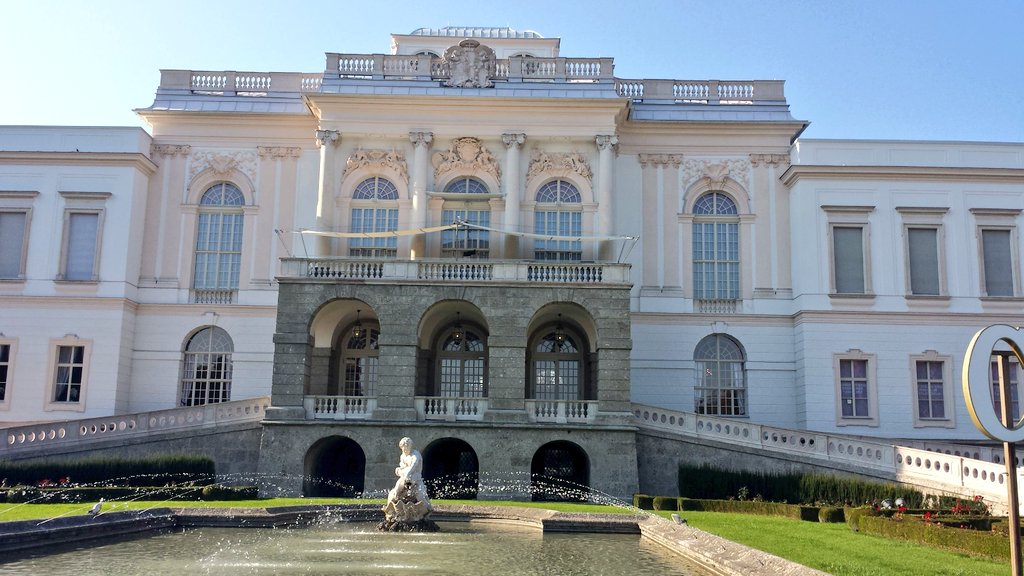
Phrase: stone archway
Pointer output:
(451, 469)
(334, 467)
(560, 471)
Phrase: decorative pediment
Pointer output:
(377, 159)
(466, 153)
(542, 161)
(470, 65)
(221, 163)
(716, 171)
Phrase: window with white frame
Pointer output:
(856, 389)
(998, 263)
(360, 361)
(218, 256)
(69, 373)
(461, 362)
(721, 386)
(558, 213)
(6, 358)
(716, 248)
(81, 242)
(207, 368)
(1013, 375)
(556, 360)
(923, 250)
(848, 246)
(466, 242)
(13, 243)
(933, 392)
(374, 209)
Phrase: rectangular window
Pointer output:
(848, 259)
(81, 233)
(374, 220)
(998, 262)
(565, 224)
(931, 398)
(467, 242)
(923, 259)
(218, 251)
(1014, 377)
(13, 230)
(856, 389)
(5, 370)
(70, 372)
(716, 261)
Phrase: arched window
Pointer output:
(206, 370)
(721, 386)
(218, 255)
(375, 209)
(359, 361)
(462, 363)
(466, 242)
(716, 248)
(558, 213)
(557, 366)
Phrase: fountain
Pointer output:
(408, 505)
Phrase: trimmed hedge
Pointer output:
(829, 514)
(23, 494)
(853, 515)
(153, 471)
(795, 511)
(665, 503)
(708, 482)
(987, 544)
(643, 501)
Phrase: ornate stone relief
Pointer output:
(470, 65)
(542, 161)
(377, 159)
(278, 151)
(466, 152)
(673, 160)
(511, 139)
(324, 137)
(769, 159)
(223, 162)
(421, 138)
(170, 149)
(607, 141)
(716, 171)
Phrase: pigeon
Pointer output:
(96, 508)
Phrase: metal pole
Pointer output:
(1010, 457)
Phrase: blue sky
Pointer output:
(896, 69)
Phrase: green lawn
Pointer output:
(836, 549)
(832, 548)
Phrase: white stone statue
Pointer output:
(408, 501)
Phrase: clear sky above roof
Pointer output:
(911, 69)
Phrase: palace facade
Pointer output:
(477, 242)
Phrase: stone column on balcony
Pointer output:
(418, 189)
(513, 193)
(327, 191)
(605, 162)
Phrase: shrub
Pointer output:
(988, 544)
(665, 503)
(643, 501)
(152, 471)
(218, 492)
(853, 515)
(830, 514)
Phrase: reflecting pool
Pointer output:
(358, 549)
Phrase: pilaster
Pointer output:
(330, 160)
(513, 191)
(606, 146)
(418, 189)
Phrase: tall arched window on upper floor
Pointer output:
(466, 242)
(721, 386)
(557, 364)
(559, 212)
(218, 258)
(374, 209)
(206, 368)
(716, 248)
(462, 362)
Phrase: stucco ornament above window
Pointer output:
(542, 162)
(377, 159)
(466, 153)
(222, 163)
(716, 172)
(470, 65)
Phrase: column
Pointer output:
(327, 140)
(163, 197)
(671, 202)
(421, 147)
(513, 191)
(649, 236)
(605, 162)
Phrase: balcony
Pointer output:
(450, 409)
(339, 407)
(460, 272)
(562, 411)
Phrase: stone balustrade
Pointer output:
(703, 91)
(339, 407)
(232, 83)
(426, 67)
(450, 409)
(561, 411)
(57, 436)
(456, 271)
(929, 468)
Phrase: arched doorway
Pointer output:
(451, 469)
(560, 472)
(335, 467)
